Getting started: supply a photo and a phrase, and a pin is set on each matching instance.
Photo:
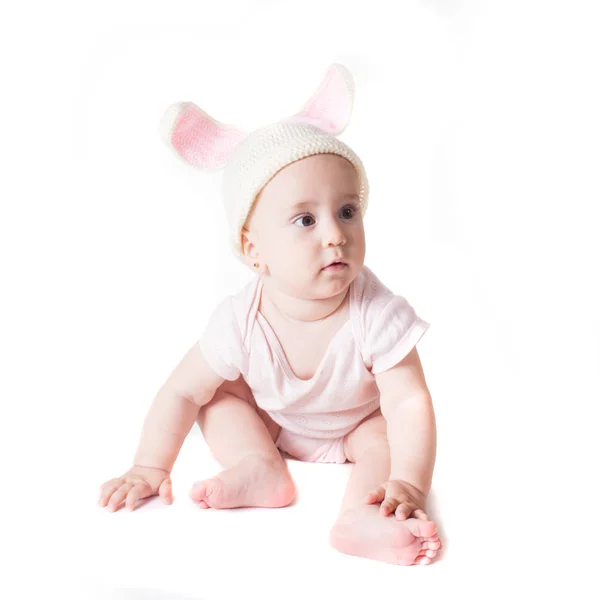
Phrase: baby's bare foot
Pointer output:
(365, 532)
(254, 481)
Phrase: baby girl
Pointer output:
(314, 358)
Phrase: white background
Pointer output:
(478, 124)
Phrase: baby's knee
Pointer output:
(369, 436)
(377, 440)
(229, 396)
(234, 390)
(374, 428)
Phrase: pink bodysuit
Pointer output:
(314, 414)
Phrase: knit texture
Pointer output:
(264, 152)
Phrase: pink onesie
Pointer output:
(317, 413)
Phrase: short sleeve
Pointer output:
(221, 342)
(392, 330)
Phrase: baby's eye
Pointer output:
(304, 223)
(348, 212)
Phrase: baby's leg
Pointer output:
(241, 437)
(360, 529)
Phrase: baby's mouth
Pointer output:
(335, 266)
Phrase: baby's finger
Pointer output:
(404, 510)
(107, 490)
(376, 495)
(119, 496)
(139, 491)
(165, 491)
(420, 514)
(388, 506)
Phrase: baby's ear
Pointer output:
(330, 106)
(248, 247)
(196, 137)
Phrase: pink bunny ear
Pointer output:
(331, 105)
(198, 138)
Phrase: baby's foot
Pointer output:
(254, 481)
(365, 532)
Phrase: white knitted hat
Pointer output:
(252, 159)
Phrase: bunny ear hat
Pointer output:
(250, 160)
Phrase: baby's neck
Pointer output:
(301, 310)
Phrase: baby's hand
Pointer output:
(137, 483)
(400, 497)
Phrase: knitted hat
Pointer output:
(250, 160)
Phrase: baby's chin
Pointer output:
(329, 285)
(310, 290)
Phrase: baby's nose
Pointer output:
(334, 236)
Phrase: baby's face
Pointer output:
(305, 217)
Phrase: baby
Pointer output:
(314, 358)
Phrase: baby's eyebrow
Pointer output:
(308, 203)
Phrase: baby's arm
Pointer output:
(190, 386)
(407, 407)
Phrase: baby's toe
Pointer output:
(203, 490)
(198, 491)
(421, 529)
